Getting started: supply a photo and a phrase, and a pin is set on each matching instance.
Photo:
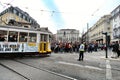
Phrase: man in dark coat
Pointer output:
(116, 49)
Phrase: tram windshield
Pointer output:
(43, 37)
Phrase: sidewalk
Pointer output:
(102, 55)
(111, 58)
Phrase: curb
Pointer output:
(109, 58)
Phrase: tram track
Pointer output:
(33, 67)
(51, 72)
(38, 68)
(26, 78)
(115, 69)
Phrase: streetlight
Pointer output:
(105, 33)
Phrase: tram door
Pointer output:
(43, 40)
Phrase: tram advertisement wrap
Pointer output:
(10, 47)
(16, 47)
(30, 47)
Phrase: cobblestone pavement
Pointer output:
(95, 65)
(95, 60)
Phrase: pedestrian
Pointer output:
(115, 49)
(90, 48)
(81, 52)
(118, 47)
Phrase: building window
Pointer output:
(17, 13)
(30, 20)
(115, 18)
(11, 10)
(20, 15)
(25, 26)
(108, 28)
(26, 18)
(23, 17)
(14, 11)
(64, 33)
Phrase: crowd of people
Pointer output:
(75, 47)
(65, 47)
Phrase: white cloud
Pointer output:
(75, 13)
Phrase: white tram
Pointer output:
(19, 40)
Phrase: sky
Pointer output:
(64, 14)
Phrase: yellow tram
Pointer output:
(21, 40)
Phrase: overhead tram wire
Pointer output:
(63, 12)
(52, 12)
(8, 3)
(1, 4)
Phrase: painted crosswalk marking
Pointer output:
(108, 70)
(78, 65)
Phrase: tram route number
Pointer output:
(11, 47)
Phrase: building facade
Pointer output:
(116, 23)
(95, 33)
(85, 37)
(16, 16)
(68, 35)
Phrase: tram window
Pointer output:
(42, 37)
(32, 37)
(45, 37)
(3, 35)
(23, 37)
(13, 36)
